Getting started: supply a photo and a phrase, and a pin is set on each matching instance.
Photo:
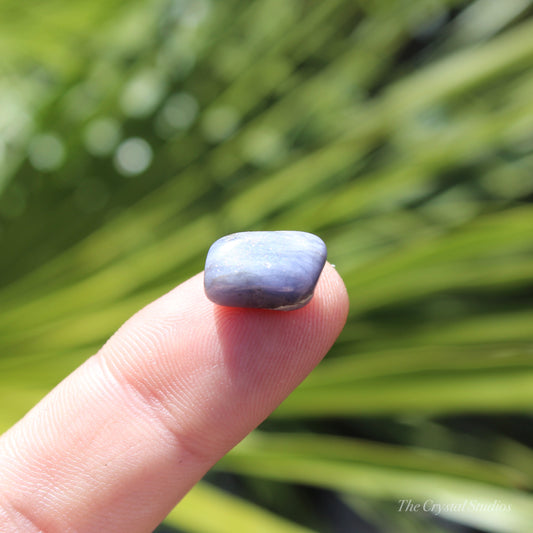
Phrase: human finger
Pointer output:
(119, 442)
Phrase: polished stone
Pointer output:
(264, 269)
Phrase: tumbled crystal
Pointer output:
(264, 269)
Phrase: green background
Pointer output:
(134, 134)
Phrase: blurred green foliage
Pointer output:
(133, 134)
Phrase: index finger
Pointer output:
(119, 442)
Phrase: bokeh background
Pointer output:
(133, 134)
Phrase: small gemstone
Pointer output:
(264, 269)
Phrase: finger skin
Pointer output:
(117, 444)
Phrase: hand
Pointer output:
(117, 444)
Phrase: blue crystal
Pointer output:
(264, 269)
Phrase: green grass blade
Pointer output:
(206, 508)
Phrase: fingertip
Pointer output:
(273, 351)
(333, 296)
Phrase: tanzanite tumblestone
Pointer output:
(264, 269)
